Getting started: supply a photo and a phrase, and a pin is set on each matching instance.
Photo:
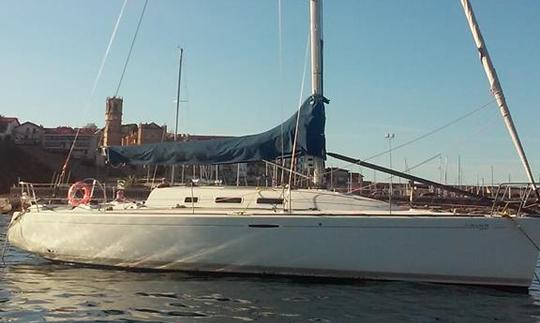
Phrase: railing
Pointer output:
(53, 194)
(28, 194)
(513, 196)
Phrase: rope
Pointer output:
(408, 170)
(156, 168)
(427, 134)
(6, 241)
(298, 112)
(106, 55)
(297, 122)
(285, 169)
(4, 249)
(524, 233)
(96, 80)
(518, 226)
(280, 63)
(131, 48)
(68, 157)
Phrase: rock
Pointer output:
(5, 205)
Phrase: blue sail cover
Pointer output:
(263, 146)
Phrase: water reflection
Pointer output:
(32, 289)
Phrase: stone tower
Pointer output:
(113, 122)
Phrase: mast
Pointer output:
(316, 71)
(177, 105)
(497, 91)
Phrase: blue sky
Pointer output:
(405, 67)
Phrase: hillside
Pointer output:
(15, 163)
(33, 164)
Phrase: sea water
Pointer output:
(35, 290)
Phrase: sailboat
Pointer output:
(278, 231)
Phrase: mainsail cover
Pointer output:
(263, 146)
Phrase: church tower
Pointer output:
(113, 122)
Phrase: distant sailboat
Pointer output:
(306, 232)
(181, 56)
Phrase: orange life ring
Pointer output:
(74, 194)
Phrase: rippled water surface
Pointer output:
(34, 290)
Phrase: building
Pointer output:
(115, 133)
(130, 134)
(60, 139)
(343, 180)
(6, 127)
(112, 134)
(151, 133)
(143, 133)
(28, 133)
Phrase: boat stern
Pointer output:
(530, 228)
(14, 232)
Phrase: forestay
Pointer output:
(264, 146)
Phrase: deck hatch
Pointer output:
(268, 200)
(265, 226)
(228, 200)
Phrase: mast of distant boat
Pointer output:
(316, 71)
(177, 105)
(497, 91)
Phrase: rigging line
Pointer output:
(156, 168)
(427, 134)
(280, 63)
(96, 80)
(298, 121)
(68, 157)
(131, 48)
(106, 55)
(406, 171)
(286, 169)
(6, 240)
(422, 163)
(298, 112)
(518, 226)
(488, 124)
(457, 143)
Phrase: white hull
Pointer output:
(448, 249)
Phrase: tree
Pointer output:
(91, 126)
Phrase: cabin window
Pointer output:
(228, 200)
(266, 200)
(191, 199)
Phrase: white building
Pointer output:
(28, 133)
(6, 127)
(60, 139)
